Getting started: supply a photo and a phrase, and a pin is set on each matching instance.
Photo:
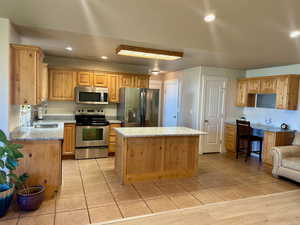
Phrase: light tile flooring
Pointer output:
(91, 193)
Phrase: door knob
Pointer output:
(205, 121)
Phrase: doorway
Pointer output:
(213, 118)
(170, 103)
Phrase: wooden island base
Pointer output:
(158, 157)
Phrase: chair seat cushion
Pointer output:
(291, 163)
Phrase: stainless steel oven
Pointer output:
(91, 95)
(91, 136)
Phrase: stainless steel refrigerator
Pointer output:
(139, 107)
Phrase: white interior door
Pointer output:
(170, 103)
(214, 97)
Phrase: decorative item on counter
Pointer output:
(284, 126)
(9, 161)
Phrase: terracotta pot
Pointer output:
(30, 199)
(5, 200)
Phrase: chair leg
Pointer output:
(248, 153)
(260, 150)
(237, 148)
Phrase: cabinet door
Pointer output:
(24, 76)
(61, 85)
(69, 139)
(230, 138)
(42, 88)
(113, 137)
(127, 81)
(268, 85)
(85, 78)
(242, 93)
(268, 144)
(282, 93)
(113, 87)
(253, 86)
(100, 79)
(141, 81)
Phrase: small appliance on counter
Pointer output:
(91, 134)
(284, 126)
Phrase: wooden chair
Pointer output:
(244, 134)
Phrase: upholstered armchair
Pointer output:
(286, 160)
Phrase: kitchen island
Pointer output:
(152, 153)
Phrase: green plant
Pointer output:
(9, 161)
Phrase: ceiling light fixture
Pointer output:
(104, 57)
(210, 18)
(148, 53)
(69, 48)
(155, 72)
(295, 34)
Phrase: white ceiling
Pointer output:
(246, 33)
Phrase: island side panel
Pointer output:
(144, 158)
(120, 157)
(42, 162)
(181, 156)
(151, 158)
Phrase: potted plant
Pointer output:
(9, 161)
(30, 197)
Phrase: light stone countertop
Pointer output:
(35, 134)
(158, 131)
(263, 127)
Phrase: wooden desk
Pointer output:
(272, 137)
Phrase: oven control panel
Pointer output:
(89, 111)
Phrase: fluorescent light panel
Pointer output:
(148, 53)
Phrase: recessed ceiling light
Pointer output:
(104, 57)
(210, 18)
(155, 72)
(69, 48)
(295, 34)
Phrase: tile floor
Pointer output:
(90, 192)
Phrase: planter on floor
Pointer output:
(5, 200)
(30, 198)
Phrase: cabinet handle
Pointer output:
(25, 101)
(30, 155)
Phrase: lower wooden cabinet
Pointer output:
(69, 139)
(272, 139)
(42, 162)
(230, 138)
(112, 145)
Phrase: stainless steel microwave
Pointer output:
(91, 95)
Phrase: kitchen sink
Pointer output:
(52, 125)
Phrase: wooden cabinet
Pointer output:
(268, 85)
(100, 79)
(253, 86)
(42, 161)
(69, 139)
(85, 78)
(286, 88)
(141, 81)
(126, 80)
(113, 87)
(272, 139)
(62, 84)
(26, 74)
(242, 93)
(287, 93)
(230, 137)
(42, 90)
(113, 137)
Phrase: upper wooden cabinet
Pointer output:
(268, 86)
(43, 84)
(242, 93)
(85, 78)
(113, 87)
(127, 80)
(286, 88)
(287, 93)
(253, 86)
(141, 81)
(62, 84)
(100, 79)
(26, 75)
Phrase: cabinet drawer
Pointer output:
(112, 147)
(112, 139)
(112, 132)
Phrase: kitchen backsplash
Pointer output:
(67, 108)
